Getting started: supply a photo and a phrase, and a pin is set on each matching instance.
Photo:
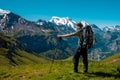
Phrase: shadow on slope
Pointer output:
(104, 74)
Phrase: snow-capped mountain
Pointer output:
(96, 29)
(111, 28)
(63, 21)
(9, 19)
(13, 23)
(2, 12)
(45, 32)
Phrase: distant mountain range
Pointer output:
(40, 36)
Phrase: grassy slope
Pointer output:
(39, 69)
(11, 54)
(3, 59)
(115, 59)
(20, 58)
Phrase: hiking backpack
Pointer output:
(87, 36)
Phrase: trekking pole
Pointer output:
(54, 57)
(52, 62)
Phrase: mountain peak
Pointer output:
(112, 28)
(63, 21)
(4, 11)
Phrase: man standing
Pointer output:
(81, 48)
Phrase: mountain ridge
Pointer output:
(2, 12)
(32, 34)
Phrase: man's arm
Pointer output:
(67, 35)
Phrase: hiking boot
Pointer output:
(85, 69)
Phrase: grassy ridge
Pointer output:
(11, 54)
(3, 59)
(19, 58)
(22, 57)
(61, 70)
(113, 59)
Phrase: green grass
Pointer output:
(39, 69)
(27, 58)
(3, 59)
(115, 59)
(20, 58)
(61, 70)
(34, 67)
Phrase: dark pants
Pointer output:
(80, 52)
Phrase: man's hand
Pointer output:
(59, 36)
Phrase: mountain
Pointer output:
(96, 29)
(36, 37)
(15, 24)
(41, 36)
(2, 12)
(107, 41)
(112, 28)
(65, 21)
(61, 26)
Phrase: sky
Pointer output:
(99, 12)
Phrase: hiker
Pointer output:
(81, 48)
